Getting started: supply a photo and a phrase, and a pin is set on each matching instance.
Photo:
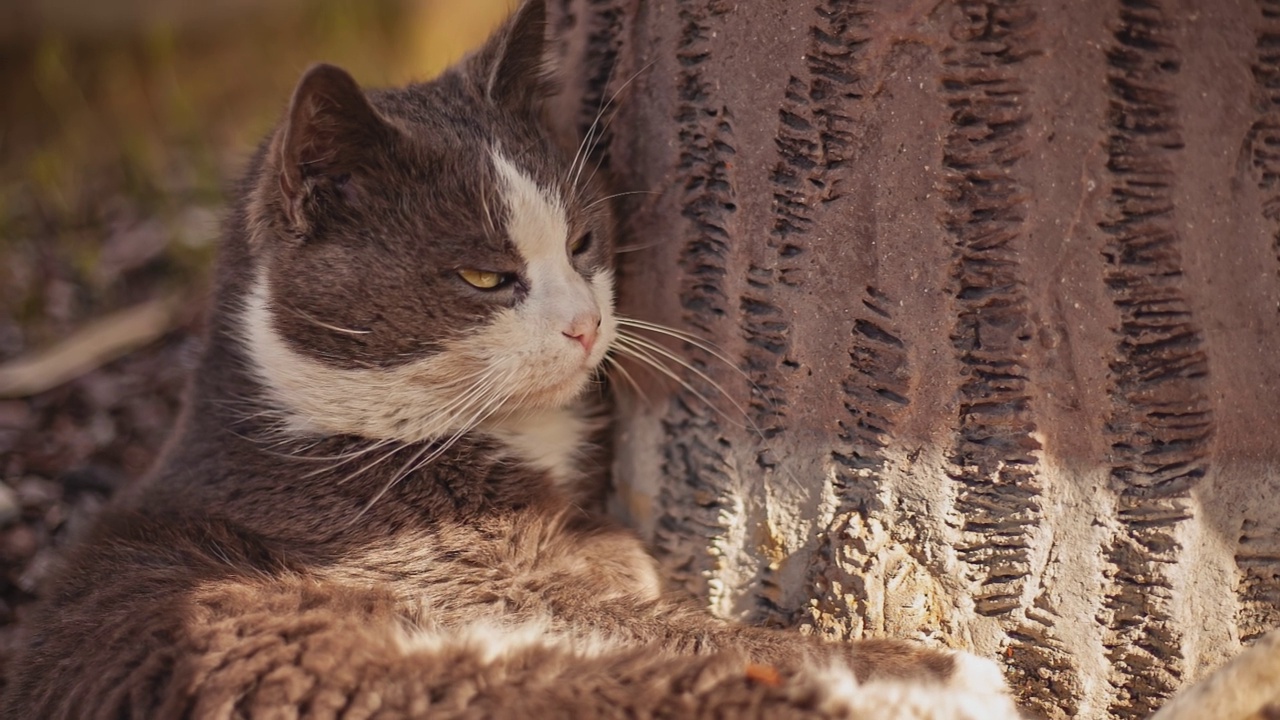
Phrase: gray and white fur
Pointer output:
(371, 506)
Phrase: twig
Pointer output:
(90, 347)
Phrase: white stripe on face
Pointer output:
(524, 359)
(536, 219)
(560, 300)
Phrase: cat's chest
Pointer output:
(527, 562)
(551, 441)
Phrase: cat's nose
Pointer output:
(584, 329)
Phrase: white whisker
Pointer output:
(488, 215)
(644, 351)
(320, 323)
(494, 398)
(395, 478)
(653, 347)
(640, 353)
(633, 248)
(613, 363)
(597, 201)
(362, 470)
(580, 157)
(703, 345)
(342, 458)
(603, 130)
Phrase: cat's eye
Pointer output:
(484, 279)
(580, 245)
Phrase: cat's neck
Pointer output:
(553, 441)
(233, 447)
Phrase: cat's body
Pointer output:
(372, 507)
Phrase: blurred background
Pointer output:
(122, 125)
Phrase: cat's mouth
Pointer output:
(555, 389)
(566, 390)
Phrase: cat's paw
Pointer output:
(982, 685)
(973, 689)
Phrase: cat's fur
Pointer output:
(342, 527)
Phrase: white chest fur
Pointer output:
(551, 440)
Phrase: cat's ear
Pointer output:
(329, 135)
(519, 73)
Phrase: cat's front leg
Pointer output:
(679, 629)
(535, 671)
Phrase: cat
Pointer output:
(372, 506)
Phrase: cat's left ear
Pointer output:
(519, 74)
(331, 135)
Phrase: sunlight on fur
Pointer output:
(382, 499)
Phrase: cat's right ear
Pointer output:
(520, 74)
(326, 141)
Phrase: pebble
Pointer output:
(14, 414)
(10, 508)
(18, 543)
(82, 515)
(36, 492)
(54, 516)
(37, 570)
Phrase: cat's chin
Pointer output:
(557, 396)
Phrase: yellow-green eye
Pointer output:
(581, 244)
(484, 279)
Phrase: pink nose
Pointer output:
(584, 329)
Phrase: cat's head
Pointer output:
(424, 257)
